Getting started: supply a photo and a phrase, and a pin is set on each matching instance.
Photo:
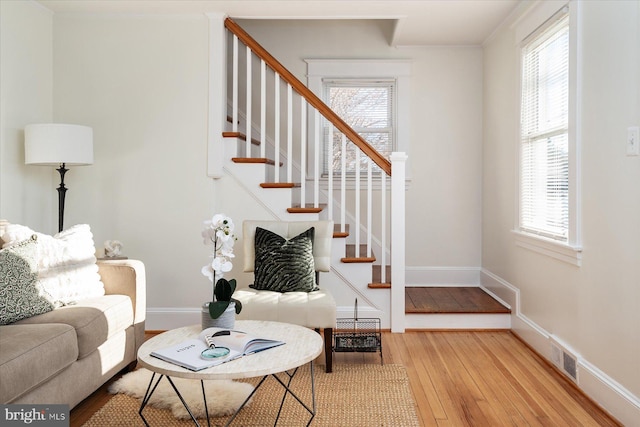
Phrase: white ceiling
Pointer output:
(418, 22)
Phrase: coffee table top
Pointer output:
(302, 346)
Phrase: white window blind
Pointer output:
(544, 180)
(368, 107)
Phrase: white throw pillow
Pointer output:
(66, 262)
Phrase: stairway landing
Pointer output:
(451, 300)
(454, 308)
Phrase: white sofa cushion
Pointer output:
(95, 320)
(310, 309)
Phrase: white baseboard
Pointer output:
(610, 395)
(165, 318)
(604, 390)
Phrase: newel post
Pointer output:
(217, 94)
(398, 174)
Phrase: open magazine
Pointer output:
(188, 354)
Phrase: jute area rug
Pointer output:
(362, 395)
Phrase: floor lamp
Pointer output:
(61, 145)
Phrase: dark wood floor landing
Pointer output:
(451, 300)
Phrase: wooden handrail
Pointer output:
(306, 93)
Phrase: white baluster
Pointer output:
(343, 185)
(276, 91)
(303, 152)
(330, 173)
(383, 221)
(248, 112)
(316, 159)
(369, 206)
(357, 209)
(289, 133)
(263, 109)
(234, 96)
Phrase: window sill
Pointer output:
(561, 251)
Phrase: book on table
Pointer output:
(188, 353)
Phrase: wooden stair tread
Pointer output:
(451, 300)
(337, 230)
(254, 160)
(239, 135)
(305, 209)
(376, 277)
(376, 274)
(350, 255)
(279, 185)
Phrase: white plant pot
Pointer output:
(227, 320)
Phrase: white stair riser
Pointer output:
(462, 321)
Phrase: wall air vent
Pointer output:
(569, 365)
(564, 359)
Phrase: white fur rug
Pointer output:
(223, 396)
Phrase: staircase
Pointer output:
(272, 148)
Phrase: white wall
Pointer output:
(595, 308)
(142, 84)
(27, 193)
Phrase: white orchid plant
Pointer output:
(218, 232)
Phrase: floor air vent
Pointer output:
(564, 360)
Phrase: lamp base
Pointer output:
(61, 193)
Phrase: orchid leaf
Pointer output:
(223, 290)
(238, 305)
(216, 308)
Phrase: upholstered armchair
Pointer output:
(283, 290)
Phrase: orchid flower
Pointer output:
(218, 232)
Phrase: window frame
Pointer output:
(391, 109)
(537, 20)
(398, 70)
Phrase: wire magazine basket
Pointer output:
(361, 335)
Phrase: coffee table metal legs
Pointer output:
(287, 391)
(149, 393)
(147, 396)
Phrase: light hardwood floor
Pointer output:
(477, 379)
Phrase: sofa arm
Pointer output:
(127, 277)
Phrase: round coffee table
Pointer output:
(302, 346)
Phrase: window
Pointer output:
(548, 219)
(368, 107)
(380, 83)
(544, 192)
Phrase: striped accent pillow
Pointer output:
(284, 265)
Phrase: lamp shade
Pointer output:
(57, 143)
